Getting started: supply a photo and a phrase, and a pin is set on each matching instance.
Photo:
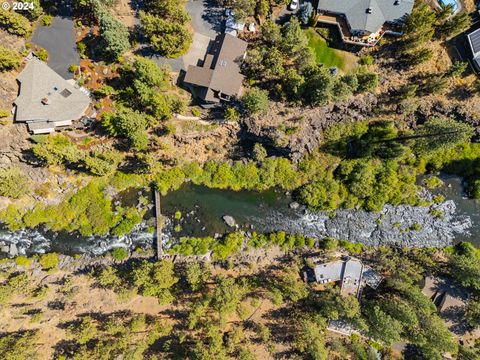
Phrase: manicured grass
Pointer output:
(328, 56)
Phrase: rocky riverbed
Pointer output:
(406, 226)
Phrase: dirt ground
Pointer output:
(8, 84)
(80, 296)
(123, 11)
(85, 299)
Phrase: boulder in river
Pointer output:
(13, 250)
(229, 220)
(294, 205)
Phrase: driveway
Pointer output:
(196, 53)
(284, 14)
(207, 22)
(59, 40)
(207, 17)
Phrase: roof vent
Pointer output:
(369, 10)
(397, 2)
(223, 63)
(46, 101)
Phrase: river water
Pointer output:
(203, 209)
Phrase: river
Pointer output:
(203, 209)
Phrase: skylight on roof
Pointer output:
(65, 93)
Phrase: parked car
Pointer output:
(294, 5)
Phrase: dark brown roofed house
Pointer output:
(219, 78)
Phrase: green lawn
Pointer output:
(328, 56)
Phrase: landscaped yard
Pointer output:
(328, 56)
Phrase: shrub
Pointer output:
(42, 54)
(47, 20)
(22, 261)
(15, 23)
(367, 81)
(9, 59)
(4, 113)
(231, 114)
(48, 261)
(366, 60)
(255, 101)
(196, 112)
(119, 254)
(13, 183)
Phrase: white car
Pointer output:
(294, 5)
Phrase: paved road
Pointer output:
(59, 40)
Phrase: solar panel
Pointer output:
(475, 41)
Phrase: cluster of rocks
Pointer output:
(402, 225)
(9, 249)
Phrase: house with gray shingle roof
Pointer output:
(47, 101)
(364, 22)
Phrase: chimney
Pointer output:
(46, 101)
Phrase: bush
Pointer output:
(366, 60)
(22, 261)
(47, 20)
(255, 101)
(9, 59)
(367, 81)
(231, 114)
(48, 261)
(196, 112)
(42, 54)
(15, 23)
(4, 113)
(119, 254)
(13, 183)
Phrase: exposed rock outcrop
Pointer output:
(309, 125)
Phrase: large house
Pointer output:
(219, 78)
(474, 42)
(364, 22)
(47, 101)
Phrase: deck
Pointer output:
(349, 38)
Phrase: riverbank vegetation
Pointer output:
(238, 308)
(363, 165)
(89, 211)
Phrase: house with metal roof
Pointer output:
(474, 42)
(364, 22)
(47, 101)
(218, 78)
